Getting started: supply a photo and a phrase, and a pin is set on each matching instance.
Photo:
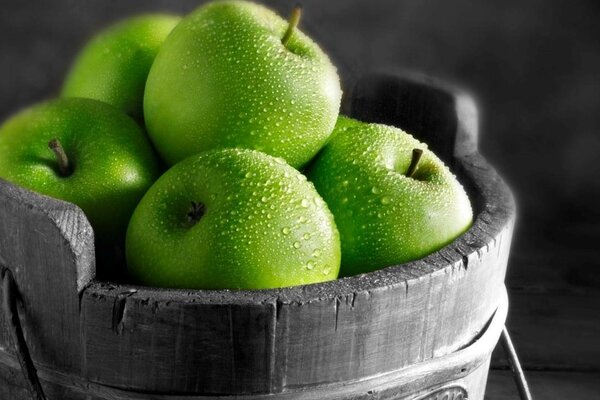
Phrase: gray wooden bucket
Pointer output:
(421, 330)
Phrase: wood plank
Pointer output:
(48, 245)
(163, 341)
(387, 328)
(545, 385)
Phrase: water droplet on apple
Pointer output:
(296, 245)
(310, 265)
(285, 231)
(386, 200)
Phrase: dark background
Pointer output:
(534, 67)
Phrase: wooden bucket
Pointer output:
(421, 330)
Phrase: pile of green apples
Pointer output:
(266, 185)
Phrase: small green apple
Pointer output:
(234, 74)
(232, 218)
(82, 151)
(393, 200)
(114, 65)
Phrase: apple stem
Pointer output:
(196, 212)
(414, 162)
(293, 23)
(61, 157)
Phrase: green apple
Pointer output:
(234, 74)
(114, 65)
(393, 200)
(82, 151)
(232, 218)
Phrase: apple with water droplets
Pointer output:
(114, 65)
(393, 199)
(232, 218)
(235, 74)
(83, 151)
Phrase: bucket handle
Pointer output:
(515, 365)
(11, 313)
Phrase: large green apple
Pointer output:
(113, 66)
(82, 151)
(232, 218)
(390, 206)
(230, 76)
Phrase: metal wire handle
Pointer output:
(11, 313)
(515, 365)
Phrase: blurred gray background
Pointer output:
(534, 67)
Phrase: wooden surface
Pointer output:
(460, 373)
(295, 339)
(48, 246)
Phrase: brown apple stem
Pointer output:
(293, 23)
(196, 212)
(414, 162)
(61, 157)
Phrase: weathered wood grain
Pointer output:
(48, 246)
(464, 371)
(291, 341)
(166, 339)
